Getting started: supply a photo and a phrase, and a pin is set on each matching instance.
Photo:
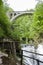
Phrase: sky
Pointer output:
(22, 5)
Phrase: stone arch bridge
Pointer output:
(16, 14)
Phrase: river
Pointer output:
(28, 61)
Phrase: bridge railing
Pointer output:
(37, 60)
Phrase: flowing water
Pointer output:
(28, 61)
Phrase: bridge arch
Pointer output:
(21, 14)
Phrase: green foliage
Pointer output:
(30, 27)
(7, 9)
(21, 26)
(1, 32)
(25, 26)
(1, 2)
(4, 22)
(37, 25)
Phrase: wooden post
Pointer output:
(21, 56)
(11, 47)
(3, 45)
(14, 50)
(38, 62)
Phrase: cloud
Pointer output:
(21, 5)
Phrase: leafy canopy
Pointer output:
(21, 26)
(36, 28)
(4, 21)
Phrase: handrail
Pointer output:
(33, 52)
(33, 58)
(30, 57)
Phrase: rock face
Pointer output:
(5, 60)
(0, 61)
(1, 55)
(8, 61)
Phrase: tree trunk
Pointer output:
(26, 40)
(14, 50)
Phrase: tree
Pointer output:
(38, 18)
(36, 28)
(4, 21)
(21, 26)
